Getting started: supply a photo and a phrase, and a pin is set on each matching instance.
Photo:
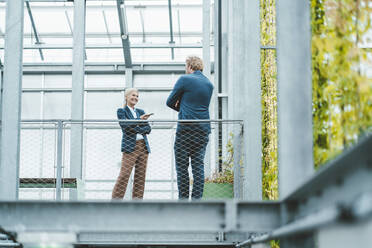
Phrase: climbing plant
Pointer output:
(269, 104)
(269, 110)
(342, 93)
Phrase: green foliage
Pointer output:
(227, 173)
(274, 244)
(342, 95)
(269, 103)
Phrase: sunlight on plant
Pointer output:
(342, 93)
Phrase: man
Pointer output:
(191, 97)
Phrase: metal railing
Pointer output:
(49, 160)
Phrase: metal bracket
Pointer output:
(221, 237)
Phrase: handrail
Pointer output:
(116, 120)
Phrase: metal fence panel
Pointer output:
(102, 161)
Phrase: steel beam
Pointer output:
(77, 96)
(132, 4)
(104, 68)
(112, 34)
(163, 239)
(340, 181)
(143, 26)
(34, 29)
(345, 235)
(110, 46)
(339, 194)
(165, 216)
(171, 42)
(11, 100)
(106, 26)
(43, 1)
(124, 33)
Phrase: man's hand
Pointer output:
(177, 104)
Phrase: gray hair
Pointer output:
(127, 92)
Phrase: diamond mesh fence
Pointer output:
(111, 160)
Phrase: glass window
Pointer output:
(32, 56)
(2, 30)
(155, 80)
(155, 102)
(105, 55)
(103, 105)
(31, 81)
(104, 80)
(102, 28)
(42, 17)
(31, 105)
(96, 23)
(58, 81)
(190, 18)
(57, 105)
(2, 18)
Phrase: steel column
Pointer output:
(1, 103)
(246, 90)
(206, 38)
(77, 96)
(11, 100)
(295, 154)
(129, 78)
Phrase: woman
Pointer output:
(134, 146)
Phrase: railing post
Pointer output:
(173, 166)
(59, 159)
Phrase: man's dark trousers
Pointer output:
(190, 143)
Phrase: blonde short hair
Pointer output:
(195, 63)
(127, 93)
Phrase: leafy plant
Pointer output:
(269, 102)
(226, 175)
(342, 95)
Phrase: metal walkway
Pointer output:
(337, 196)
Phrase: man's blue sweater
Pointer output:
(194, 92)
